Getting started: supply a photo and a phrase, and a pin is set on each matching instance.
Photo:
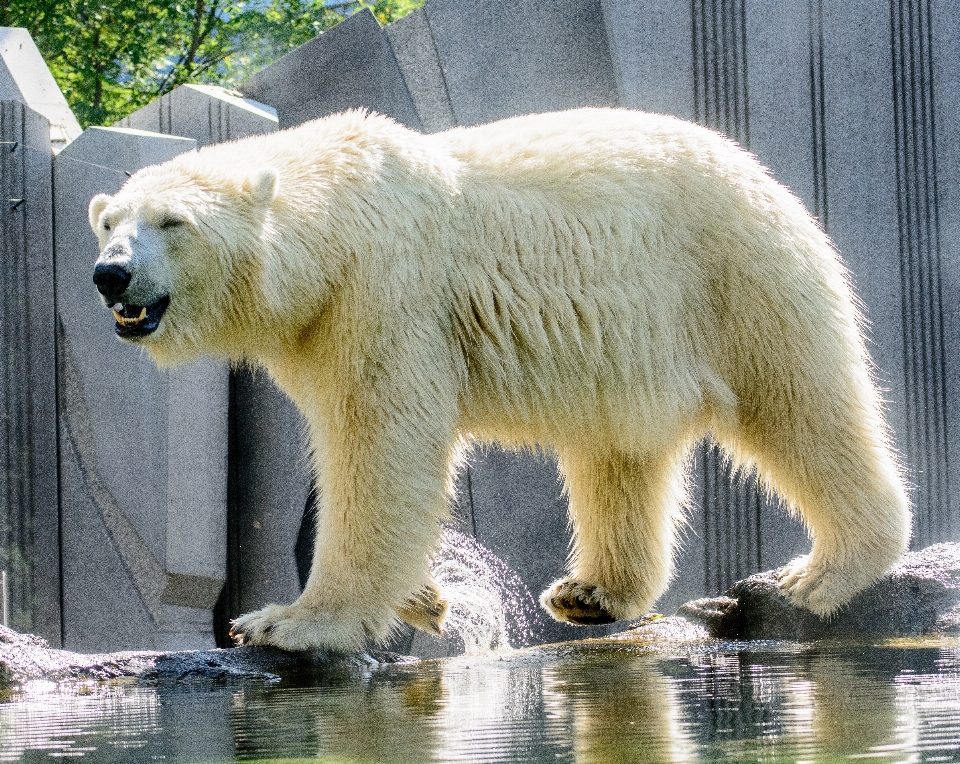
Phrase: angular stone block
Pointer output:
(29, 525)
(412, 44)
(269, 483)
(505, 59)
(206, 113)
(349, 66)
(24, 77)
(143, 452)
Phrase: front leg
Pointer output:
(381, 451)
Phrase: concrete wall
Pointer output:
(205, 113)
(29, 523)
(24, 77)
(142, 451)
(350, 66)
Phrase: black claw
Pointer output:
(601, 618)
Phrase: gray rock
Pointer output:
(920, 596)
(24, 657)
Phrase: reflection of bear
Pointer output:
(607, 283)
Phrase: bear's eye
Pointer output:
(106, 226)
(170, 221)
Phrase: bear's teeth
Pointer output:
(124, 321)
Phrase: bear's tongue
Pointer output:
(128, 315)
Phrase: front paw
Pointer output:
(298, 628)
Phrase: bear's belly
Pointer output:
(574, 412)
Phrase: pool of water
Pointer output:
(896, 701)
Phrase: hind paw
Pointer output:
(426, 610)
(580, 603)
(822, 587)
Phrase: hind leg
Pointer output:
(623, 510)
(832, 466)
(860, 527)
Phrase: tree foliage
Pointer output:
(110, 57)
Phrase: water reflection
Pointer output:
(624, 709)
(591, 705)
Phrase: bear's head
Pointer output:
(177, 242)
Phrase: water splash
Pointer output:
(491, 609)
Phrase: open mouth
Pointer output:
(139, 320)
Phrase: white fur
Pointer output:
(611, 284)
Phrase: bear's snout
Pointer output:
(111, 280)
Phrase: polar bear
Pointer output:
(610, 284)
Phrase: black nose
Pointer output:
(111, 280)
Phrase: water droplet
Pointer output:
(491, 609)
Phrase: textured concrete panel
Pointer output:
(349, 66)
(101, 162)
(29, 524)
(270, 480)
(944, 46)
(103, 608)
(197, 445)
(25, 77)
(927, 257)
(752, 82)
(504, 59)
(144, 451)
(780, 91)
(412, 43)
(650, 44)
(206, 113)
(860, 182)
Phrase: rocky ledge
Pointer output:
(24, 657)
(920, 596)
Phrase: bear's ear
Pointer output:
(262, 186)
(97, 205)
